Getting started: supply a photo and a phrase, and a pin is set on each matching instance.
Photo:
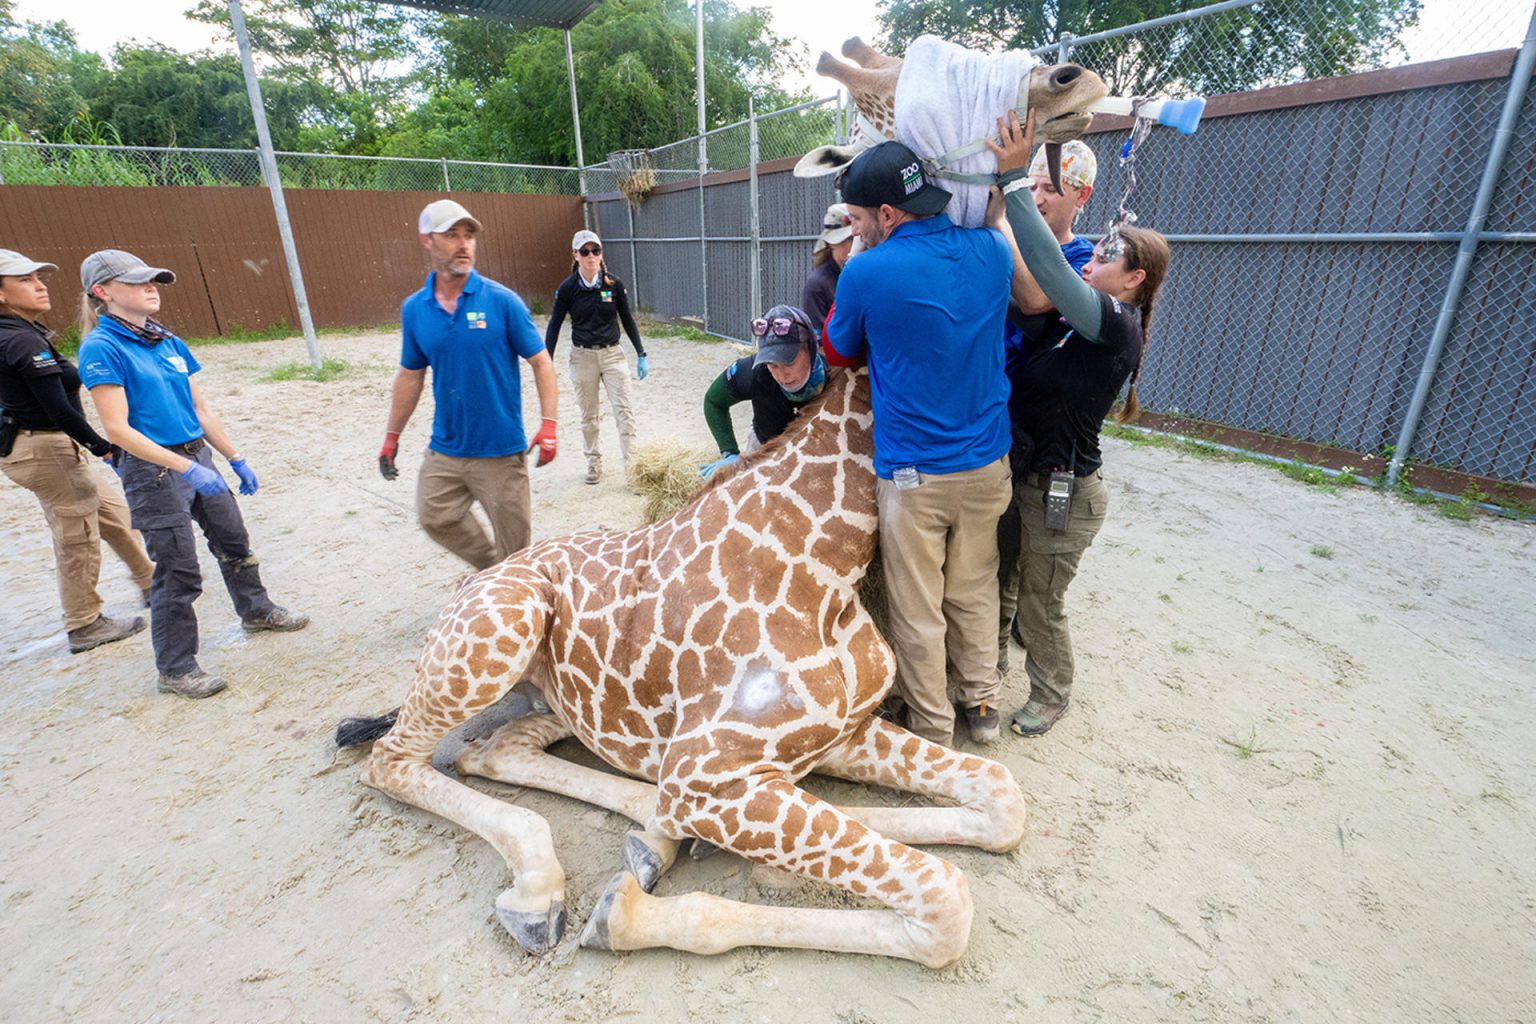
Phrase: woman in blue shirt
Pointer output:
(143, 381)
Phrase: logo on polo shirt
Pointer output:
(476, 321)
(177, 363)
(606, 295)
(96, 369)
(42, 360)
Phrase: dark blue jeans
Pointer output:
(163, 507)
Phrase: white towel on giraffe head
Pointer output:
(948, 97)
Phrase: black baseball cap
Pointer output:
(891, 173)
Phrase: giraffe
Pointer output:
(1058, 94)
(716, 658)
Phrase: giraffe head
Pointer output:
(1059, 95)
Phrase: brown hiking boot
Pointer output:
(1036, 717)
(103, 631)
(984, 722)
(594, 471)
(278, 620)
(193, 685)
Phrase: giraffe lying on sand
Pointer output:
(942, 99)
(719, 655)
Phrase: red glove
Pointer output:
(545, 442)
(387, 456)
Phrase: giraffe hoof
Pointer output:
(536, 933)
(597, 932)
(642, 862)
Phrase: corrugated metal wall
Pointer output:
(1315, 340)
(358, 250)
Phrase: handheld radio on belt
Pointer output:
(1058, 495)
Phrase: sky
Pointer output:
(1444, 25)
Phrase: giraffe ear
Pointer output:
(825, 160)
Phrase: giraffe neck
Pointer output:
(821, 478)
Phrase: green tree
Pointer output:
(501, 93)
(1228, 52)
(357, 50)
(45, 79)
(156, 96)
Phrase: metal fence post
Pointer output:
(1064, 47)
(274, 183)
(1493, 170)
(446, 186)
(703, 233)
(634, 261)
(755, 262)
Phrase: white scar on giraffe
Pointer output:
(715, 658)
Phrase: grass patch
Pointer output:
(1180, 647)
(1321, 551)
(330, 369)
(1247, 748)
(668, 329)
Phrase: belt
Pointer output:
(188, 448)
(1043, 480)
(606, 344)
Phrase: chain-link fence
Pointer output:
(45, 163)
(1333, 281)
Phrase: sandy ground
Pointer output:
(1296, 783)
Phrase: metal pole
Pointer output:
(703, 240)
(755, 290)
(446, 186)
(1493, 169)
(698, 87)
(274, 184)
(634, 261)
(581, 157)
(1064, 47)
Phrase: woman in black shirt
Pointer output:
(1063, 388)
(827, 258)
(597, 303)
(43, 446)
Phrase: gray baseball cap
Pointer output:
(14, 264)
(773, 347)
(116, 265)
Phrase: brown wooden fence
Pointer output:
(359, 250)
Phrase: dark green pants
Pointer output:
(1036, 565)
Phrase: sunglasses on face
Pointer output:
(591, 250)
(780, 326)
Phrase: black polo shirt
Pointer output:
(27, 354)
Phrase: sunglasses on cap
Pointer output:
(779, 325)
(833, 223)
(590, 250)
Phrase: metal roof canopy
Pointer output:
(563, 14)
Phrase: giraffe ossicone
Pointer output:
(715, 658)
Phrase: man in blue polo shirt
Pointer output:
(926, 302)
(470, 330)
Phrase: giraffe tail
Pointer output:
(353, 731)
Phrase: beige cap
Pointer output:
(441, 215)
(581, 238)
(14, 264)
(1079, 167)
(836, 226)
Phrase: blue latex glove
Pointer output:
(205, 480)
(248, 484)
(642, 367)
(708, 470)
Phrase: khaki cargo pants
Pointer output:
(447, 487)
(938, 547)
(592, 368)
(82, 509)
(1036, 573)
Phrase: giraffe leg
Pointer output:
(991, 812)
(769, 820)
(517, 754)
(866, 56)
(483, 642)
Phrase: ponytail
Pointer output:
(1147, 251)
(90, 312)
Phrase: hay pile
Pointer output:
(666, 474)
(636, 185)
